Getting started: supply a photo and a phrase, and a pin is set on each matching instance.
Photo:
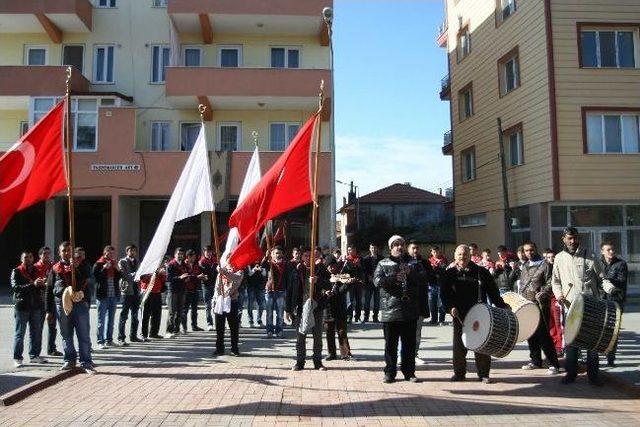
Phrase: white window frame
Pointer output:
(464, 50)
(462, 114)
(192, 47)
(519, 148)
(163, 49)
(602, 115)
(468, 176)
(286, 55)
(28, 48)
(287, 125)
(219, 126)
(161, 122)
(516, 74)
(237, 47)
(95, 64)
(84, 51)
(615, 30)
(509, 5)
(107, 5)
(472, 220)
(188, 122)
(159, 3)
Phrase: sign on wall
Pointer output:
(127, 167)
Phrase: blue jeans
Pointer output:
(106, 307)
(78, 321)
(255, 294)
(33, 319)
(435, 305)
(275, 301)
(207, 292)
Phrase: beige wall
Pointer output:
(589, 176)
(489, 235)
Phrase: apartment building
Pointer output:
(140, 69)
(563, 77)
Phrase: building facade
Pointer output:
(140, 70)
(563, 79)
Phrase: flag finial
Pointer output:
(254, 135)
(202, 109)
(68, 80)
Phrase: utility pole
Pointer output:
(505, 189)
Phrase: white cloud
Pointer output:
(374, 163)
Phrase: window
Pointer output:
(608, 48)
(74, 56)
(515, 148)
(159, 61)
(507, 8)
(281, 134)
(36, 55)
(285, 57)
(160, 136)
(188, 135)
(465, 102)
(612, 132)
(509, 68)
(596, 216)
(464, 43)
(84, 120)
(473, 220)
(103, 64)
(468, 163)
(106, 3)
(229, 136)
(159, 3)
(230, 56)
(192, 56)
(24, 128)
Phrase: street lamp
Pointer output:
(327, 17)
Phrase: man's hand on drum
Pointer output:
(561, 300)
(454, 313)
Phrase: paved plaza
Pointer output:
(177, 382)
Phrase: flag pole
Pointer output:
(67, 138)
(314, 207)
(214, 226)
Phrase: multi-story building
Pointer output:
(140, 70)
(563, 76)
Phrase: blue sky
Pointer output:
(389, 118)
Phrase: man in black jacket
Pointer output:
(130, 295)
(107, 276)
(399, 296)
(27, 299)
(176, 276)
(335, 317)
(353, 266)
(464, 285)
(370, 262)
(614, 270)
(423, 268)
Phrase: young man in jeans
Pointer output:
(27, 298)
(107, 276)
(279, 278)
(43, 266)
(129, 288)
(208, 264)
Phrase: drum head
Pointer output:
(528, 319)
(477, 327)
(573, 321)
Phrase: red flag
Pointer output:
(33, 169)
(286, 186)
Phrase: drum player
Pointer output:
(464, 285)
(576, 272)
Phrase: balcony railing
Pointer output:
(443, 29)
(445, 88)
(447, 143)
(446, 140)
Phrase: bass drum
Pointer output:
(527, 312)
(490, 330)
(592, 324)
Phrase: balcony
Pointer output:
(247, 88)
(53, 17)
(447, 144)
(273, 17)
(445, 88)
(443, 29)
(20, 82)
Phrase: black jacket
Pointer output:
(505, 278)
(393, 308)
(291, 276)
(101, 279)
(294, 296)
(463, 289)
(616, 273)
(26, 295)
(60, 282)
(336, 307)
(174, 270)
(423, 288)
(370, 263)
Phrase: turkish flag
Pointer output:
(33, 168)
(286, 186)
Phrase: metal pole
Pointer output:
(328, 19)
(314, 206)
(505, 189)
(214, 226)
(68, 143)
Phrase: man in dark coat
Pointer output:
(335, 317)
(370, 262)
(614, 270)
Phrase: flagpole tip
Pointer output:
(68, 79)
(254, 135)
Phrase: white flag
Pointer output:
(191, 196)
(251, 178)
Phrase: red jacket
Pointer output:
(43, 269)
(192, 282)
(158, 285)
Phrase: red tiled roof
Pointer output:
(402, 193)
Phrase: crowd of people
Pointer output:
(399, 291)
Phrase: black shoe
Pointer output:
(156, 337)
(388, 379)
(67, 366)
(364, 320)
(611, 363)
(297, 367)
(331, 357)
(357, 319)
(260, 323)
(54, 353)
(196, 329)
(486, 380)
(567, 380)
(457, 378)
(349, 320)
(320, 367)
(412, 379)
(375, 318)
(218, 353)
(144, 339)
(135, 339)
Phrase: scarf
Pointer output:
(280, 267)
(111, 271)
(437, 262)
(30, 276)
(355, 260)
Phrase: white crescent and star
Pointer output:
(29, 153)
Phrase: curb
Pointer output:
(27, 390)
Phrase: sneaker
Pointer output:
(235, 353)
(88, 368)
(102, 346)
(38, 359)
(122, 343)
(135, 339)
(297, 367)
(356, 320)
(553, 370)
(412, 379)
(260, 323)
(349, 320)
(109, 344)
(529, 366)
(210, 328)
(17, 363)
(331, 357)
(67, 366)
(144, 339)
(388, 380)
(156, 337)
(320, 368)
(457, 378)
(364, 320)
(197, 329)
(347, 357)
(169, 335)
(420, 361)
(55, 353)
(486, 380)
